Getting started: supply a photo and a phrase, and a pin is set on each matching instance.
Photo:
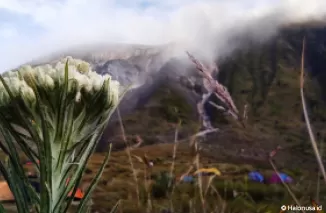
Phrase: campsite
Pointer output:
(232, 182)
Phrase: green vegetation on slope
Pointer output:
(266, 77)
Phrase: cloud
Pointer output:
(34, 28)
(7, 31)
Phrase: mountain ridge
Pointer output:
(263, 75)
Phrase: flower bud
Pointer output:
(49, 82)
(27, 94)
(78, 97)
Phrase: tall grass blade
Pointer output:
(306, 116)
(115, 207)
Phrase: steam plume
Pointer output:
(209, 28)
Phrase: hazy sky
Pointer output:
(32, 28)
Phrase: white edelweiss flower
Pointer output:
(82, 80)
(12, 74)
(59, 74)
(69, 59)
(6, 80)
(83, 67)
(72, 67)
(49, 81)
(90, 73)
(27, 93)
(114, 87)
(78, 97)
(97, 83)
(36, 70)
(25, 70)
(73, 73)
(14, 85)
(40, 76)
(107, 77)
(48, 75)
(59, 67)
(53, 74)
(89, 86)
(58, 64)
(98, 80)
(47, 68)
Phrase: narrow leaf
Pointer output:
(94, 183)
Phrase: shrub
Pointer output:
(160, 188)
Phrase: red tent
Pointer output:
(278, 178)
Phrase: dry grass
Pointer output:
(118, 182)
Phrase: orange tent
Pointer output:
(5, 192)
(79, 193)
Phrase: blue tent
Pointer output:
(256, 176)
(188, 179)
(36, 185)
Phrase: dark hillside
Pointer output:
(266, 78)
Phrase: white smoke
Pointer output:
(219, 28)
(209, 28)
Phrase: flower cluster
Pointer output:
(51, 77)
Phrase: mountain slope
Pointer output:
(265, 77)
